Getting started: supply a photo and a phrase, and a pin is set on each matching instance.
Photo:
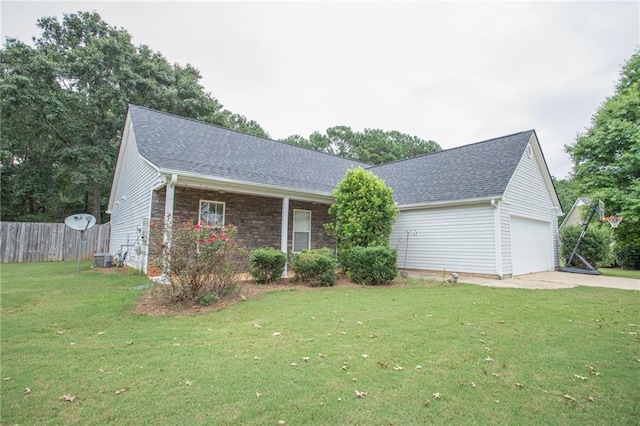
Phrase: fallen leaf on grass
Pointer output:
(294, 364)
(519, 385)
(282, 422)
(276, 333)
(359, 323)
(418, 367)
(255, 325)
(360, 394)
(258, 394)
(6, 379)
(306, 359)
(577, 376)
(382, 364)
(365, 356)
(570, 398)
(60, 332)
(67, 397)
(495, 374)
(26, 391)
(398, 368)
(257, 358)
(321, 355)
(243, 297)
(129, 342)
(489, 359)
(437, 395)
(118, 392)
(473, 384)
(100, 333)
(373, 336)
(591, 399)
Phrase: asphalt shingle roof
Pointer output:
(478, 170)
(177, 143)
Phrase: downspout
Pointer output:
(497, 235)
(168, 221)
(284, 231)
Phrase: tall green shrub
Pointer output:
(594, 247)
(364, 212)
(628, 257)
(267, 264)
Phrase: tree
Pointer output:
(64, 100)
(364, 212)
(607, 156)
(371, 146)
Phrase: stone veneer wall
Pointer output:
(257, 218)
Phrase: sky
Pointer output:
(453, 72)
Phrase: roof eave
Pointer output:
(190, 179)
(449, 203)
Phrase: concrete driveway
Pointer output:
(549, 280)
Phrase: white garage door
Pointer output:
(531, 245)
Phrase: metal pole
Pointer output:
(79, 250)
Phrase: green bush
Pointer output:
(375, 265)
(317, 267)
(595, 246)
(628, 257)
(267, 265)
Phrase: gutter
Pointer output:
(416, 206)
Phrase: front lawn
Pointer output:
(617, 272)
(418, 353)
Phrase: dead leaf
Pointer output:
(489, 359)
(473, 384)
(6, 379)
(118, 392)
(373, 336)
(519, 385)
(129, 342)
(255, 325)
(321, 355)
(339, 399)
(258, 394)
(577, 376)
(60, 332)
(344, 367)
(243, 297)
(68, 397)
(282, 422)
(26, 391)
(570, 398)
(437, 395)
(359, 323)
(382, 364)
(294, 364)
(418, 367)
(100, 333)
(364, 356)
(306, 359)
(426, 403)
(257, 358)
(495, 374)
(276, 333)
(398, 368)
(360, 394)
(591, 399)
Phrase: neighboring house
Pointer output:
(486, 208)
(574, 217)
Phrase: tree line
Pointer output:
(64, 99)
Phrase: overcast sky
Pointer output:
(454, 72)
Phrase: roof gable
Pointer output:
(179, 144)
(479, 170)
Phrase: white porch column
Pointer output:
(168, 221)
(284, 231)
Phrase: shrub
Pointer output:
(375, 265)
(628, 257)
(200, 263)
(267, 265)
(317, 267)
(364, 212)
(594, 247)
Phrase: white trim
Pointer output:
(418, 206)
(497, 235)
(224, 210)
(293, 237)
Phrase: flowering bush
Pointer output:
(199, 261)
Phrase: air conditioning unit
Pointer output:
(102, 260)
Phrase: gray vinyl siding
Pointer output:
(134, 183)
(526, 195)
(456, 239)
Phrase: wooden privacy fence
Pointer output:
(44, 242)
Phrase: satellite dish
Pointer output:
(80, 221)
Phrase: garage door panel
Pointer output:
(531, 245)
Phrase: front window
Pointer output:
(211, 213)
(301, 230)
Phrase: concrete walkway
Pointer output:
(550, 280)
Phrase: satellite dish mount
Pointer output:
(80, 222)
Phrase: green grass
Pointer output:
(204, 369)
(617, 272)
